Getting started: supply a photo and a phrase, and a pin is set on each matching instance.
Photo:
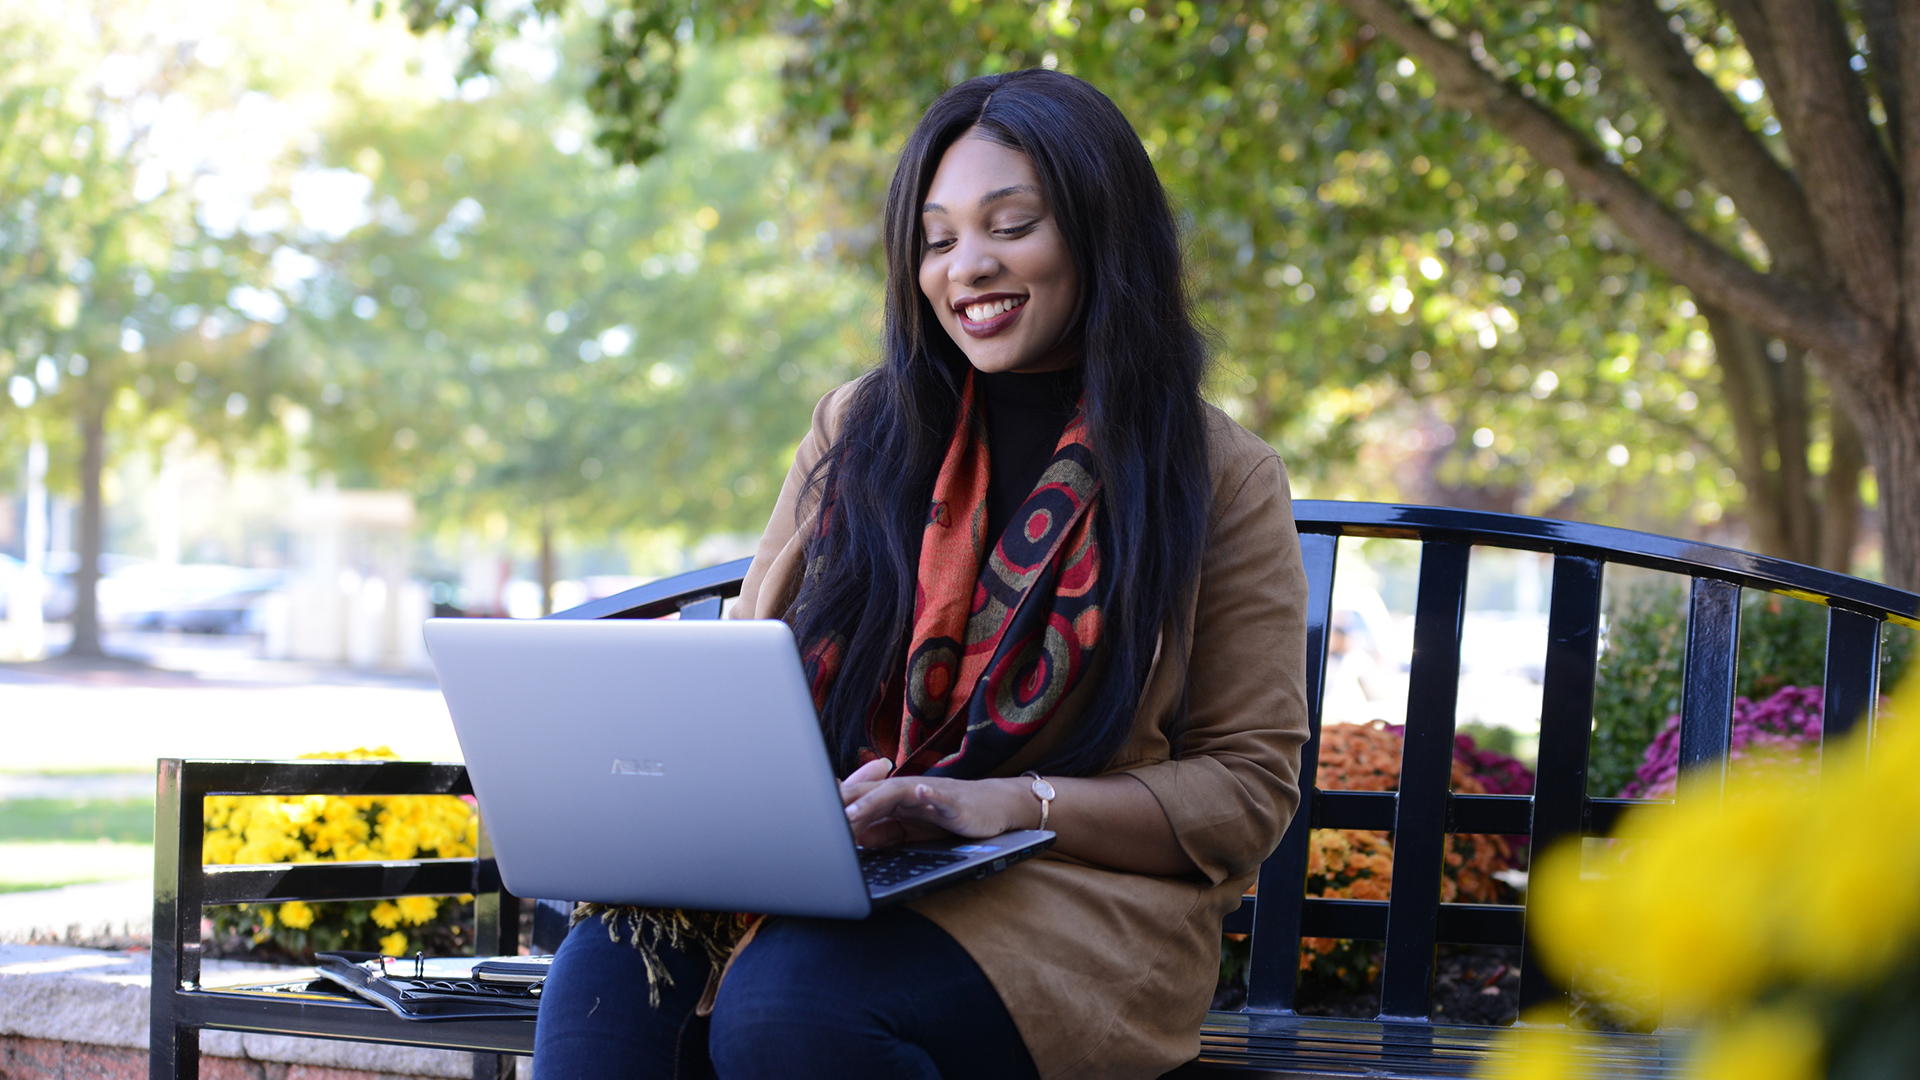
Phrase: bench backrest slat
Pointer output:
(1853, 671)
(1426, 777)
(1272, 968)
(1560, 771)
(1706, 698)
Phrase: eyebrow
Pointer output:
(992, 196)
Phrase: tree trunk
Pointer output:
(1740, 354)
(547, 573)
(1767, 402)
(1840, 506)
(1890, 426)
(1788, 376)
(86, 584)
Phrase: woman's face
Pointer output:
(993, 263)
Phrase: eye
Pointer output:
(939, 245)
(1017, 230)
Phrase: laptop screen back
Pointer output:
(662, 763)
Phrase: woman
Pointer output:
(1023, 549)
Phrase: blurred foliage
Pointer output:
(1407, 305)
(598, 296)
(113, 292)
(524, 332)
(1638, 684)
(1783, 642)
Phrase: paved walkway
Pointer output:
(100, 911)
(115, 716)
(79, 729)
(84, 1012)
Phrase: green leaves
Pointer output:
(530, 330)
(113, 293)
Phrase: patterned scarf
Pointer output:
(999, 641)
(1000, 638)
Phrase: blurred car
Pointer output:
(62, 567)
(10, 571)
(194, 598)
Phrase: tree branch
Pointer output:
(1738, 356)
(1806, 315)
(1715, 134)
(1848, 180)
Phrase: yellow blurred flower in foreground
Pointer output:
(1768, 1044)
(1763, 920)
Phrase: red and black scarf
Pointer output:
(1000, 637)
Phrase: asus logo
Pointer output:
(638, 767)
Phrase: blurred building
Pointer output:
(350, 598)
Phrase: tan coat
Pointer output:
(1109, 974)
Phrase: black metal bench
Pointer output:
(1266, 1037)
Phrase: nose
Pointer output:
(971, 263)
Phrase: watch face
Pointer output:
(1042, 788)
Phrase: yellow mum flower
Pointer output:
(1704, 908)
(296, 914)
(385, 915)
(418, 909)
(394, 944)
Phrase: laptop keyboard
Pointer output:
(886, 868)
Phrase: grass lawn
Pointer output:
(47, 843)
(122, 821)
(35, 886)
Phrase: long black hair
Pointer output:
(1144, 359)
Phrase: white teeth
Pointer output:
(983, 312)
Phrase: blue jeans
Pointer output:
(891, 997)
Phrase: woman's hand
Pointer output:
(1113, 821)
(886, 811)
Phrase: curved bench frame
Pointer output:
(1266, 1036)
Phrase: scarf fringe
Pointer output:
(714, 933)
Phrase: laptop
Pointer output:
(674, 763)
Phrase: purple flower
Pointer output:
(1785, 722)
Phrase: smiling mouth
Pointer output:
(989, 318)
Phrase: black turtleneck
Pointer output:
(1025, 413)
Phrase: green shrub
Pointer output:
(1783, 642)
(1896, 656)
(1639, 682)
